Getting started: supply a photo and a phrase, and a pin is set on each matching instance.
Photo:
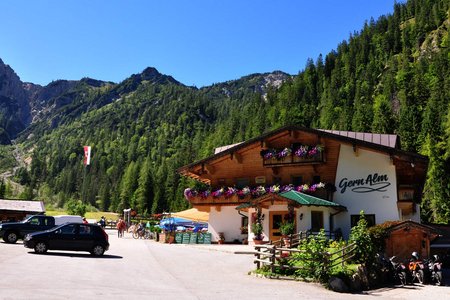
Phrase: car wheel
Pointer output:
(98, 250)
(11, 237)
(40, 247)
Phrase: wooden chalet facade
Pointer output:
(330, 176)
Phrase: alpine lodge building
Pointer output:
(318, 179)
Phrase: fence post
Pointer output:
(326, 263)
(272, 259)
(258, 257)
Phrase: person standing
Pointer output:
(102, 222)
(120, 227)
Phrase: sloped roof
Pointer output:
(22, 205)
(223, 148)
(388, 140)
(410, 223)
(308, 200)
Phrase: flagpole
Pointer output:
(83, 185)
(86, 162)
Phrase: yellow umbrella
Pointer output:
(192, 214)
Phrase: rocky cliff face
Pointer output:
(40, 98)
(12, 87)
(24, 103)
(14, 107)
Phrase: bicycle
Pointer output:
(144, 233)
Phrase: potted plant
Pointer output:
(257, 230)
(286, 229)
(221, 239)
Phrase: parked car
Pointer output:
(12, 231)
(70, 236)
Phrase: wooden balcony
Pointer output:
(294, 160)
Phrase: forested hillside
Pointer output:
(393, 76)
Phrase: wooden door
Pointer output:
(275, 220)
(316, 221)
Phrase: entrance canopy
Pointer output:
(297, 197)
(308, 200)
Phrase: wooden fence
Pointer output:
(274, 256)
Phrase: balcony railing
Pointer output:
(293, 160)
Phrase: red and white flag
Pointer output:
(87, 155)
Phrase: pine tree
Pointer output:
(144, 192)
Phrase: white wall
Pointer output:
(365, 182)
(228, 221)
(302, 225)
(412, 216)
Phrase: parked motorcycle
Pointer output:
(398, 271)
(435, 267)
(417, 269)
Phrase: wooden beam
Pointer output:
(275, 170)
(265, 144)
(210, 169)
(236, 157)
(205, 177)
(203, 208)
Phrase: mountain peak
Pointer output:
(153, 75)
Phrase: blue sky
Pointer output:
(197, 42)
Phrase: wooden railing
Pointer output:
(275, 256)
(331, 235)
(294, 160)
(343, 255)
(293, 240)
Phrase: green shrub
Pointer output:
(287, 228)
(365, 250)
(311, 260)
(75, 207)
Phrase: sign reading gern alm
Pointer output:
(372, 183)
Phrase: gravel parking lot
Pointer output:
(144, 269)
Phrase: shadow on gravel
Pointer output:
(20, 243)
(81, 255)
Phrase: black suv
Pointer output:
(69, 236)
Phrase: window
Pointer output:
(369, 218)
(297, 180)
(316, 179)
(34, 221)
(276, 180)
(242, 182)
(85, 230)
(244, 225)
(316, 220)
(68, 229)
